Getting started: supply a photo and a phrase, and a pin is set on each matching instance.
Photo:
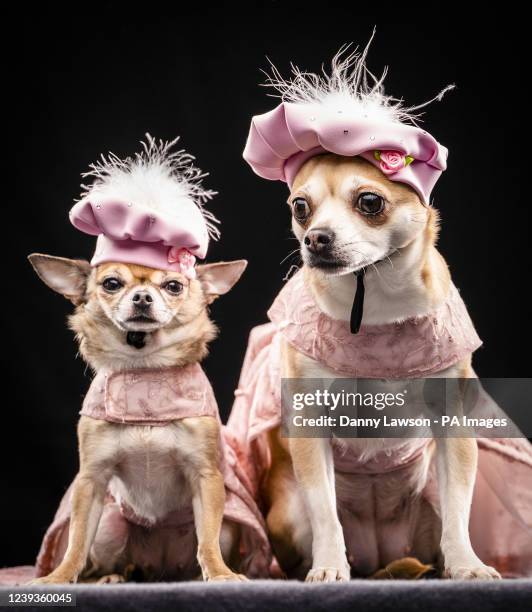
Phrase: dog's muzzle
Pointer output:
(319, 243)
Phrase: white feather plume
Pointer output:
(157, 177)
(348, 86)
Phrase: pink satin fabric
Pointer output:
(155, 398)
(501, 515)
(281, 140)
(133, 233)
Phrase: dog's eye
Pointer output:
(370, 203)
(300, 209)
(112, 284)
(174, 287)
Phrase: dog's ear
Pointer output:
(218, 278)
(66, 276)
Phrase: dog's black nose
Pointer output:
(142, 300)
(319, 240)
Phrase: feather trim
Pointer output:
(157, 177)
(349, 85)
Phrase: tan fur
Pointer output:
(155, 470)
(96, 332)
(411, 280)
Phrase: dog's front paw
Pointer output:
(111, 579)
(473, 571)
(52, 579)
(230, 577)
(327, 574)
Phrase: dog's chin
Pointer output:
(141, 324)
(330, 266)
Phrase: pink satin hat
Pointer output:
(132, 233)
(281, 140)
(345, 112)
(147, 210)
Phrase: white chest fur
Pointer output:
(151, 466)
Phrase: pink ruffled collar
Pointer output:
(150, 396)
(417, 347)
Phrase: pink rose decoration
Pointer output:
(391, 161)
(185, 259)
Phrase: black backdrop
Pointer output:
(87, 83)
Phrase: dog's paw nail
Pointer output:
(327, 574)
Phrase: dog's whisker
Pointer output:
(289, 255)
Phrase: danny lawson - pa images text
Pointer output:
(375, 422)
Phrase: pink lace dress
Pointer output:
(501, 516)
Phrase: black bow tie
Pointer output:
(136, 339)
(358, 303)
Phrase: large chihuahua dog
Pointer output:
(347, 215)
(360, 175)
(150, 445)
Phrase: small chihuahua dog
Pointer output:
(140, 321)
